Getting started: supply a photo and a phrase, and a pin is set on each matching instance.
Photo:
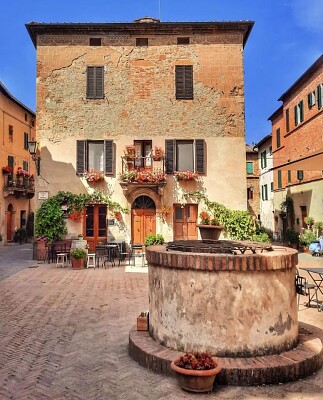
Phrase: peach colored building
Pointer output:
(17, 127)
(297, 140)
(145, 85)
(253, 193)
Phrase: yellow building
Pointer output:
(107, 89)
(17, 128)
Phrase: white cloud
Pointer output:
(308, 14)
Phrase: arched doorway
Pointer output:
(9, 222)
(143, 219)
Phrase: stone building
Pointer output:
(297, 133)
(17, 127)
(253, 195)
(107, 89)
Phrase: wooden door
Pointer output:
(304, 215)
(9, 225)
(185, 220)
(95, 225)
(143, 223)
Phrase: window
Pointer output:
(25, 140)
(95, 41)
(272, 186)
(270, 150)
(23, 218)
(263, 159)
(182, 155)
(141, 41)
(264, 192)
(287, 120)
(319, 96)
(94, 84)
(94, 155)
(183, 40)
(279, 176)
(289, 178)
(300, 175)
(184, 82)
(250, 193)
(25, 117)
(10, 133)
(25, 165)
(143, 153)
(311, 99)
(299, 113)
(249, 167)
(278, 137)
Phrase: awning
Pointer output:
(310, 162)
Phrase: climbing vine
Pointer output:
(238, 224)
(50, 222)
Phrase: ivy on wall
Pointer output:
(50, 222)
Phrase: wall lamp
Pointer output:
(32, 148)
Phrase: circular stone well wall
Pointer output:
(227, 304)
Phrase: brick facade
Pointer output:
(253, 191)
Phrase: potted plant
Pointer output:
(309, 221)
(153, 239)
(158, 154)
(306, 238)
(130, 151)
(80, 236)
(185, 175)
(292, 237)
(78, 256)
(6, 170)
(196, 372)
(209, 228)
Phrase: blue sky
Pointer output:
(286, 40)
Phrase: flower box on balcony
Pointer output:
(185, 175)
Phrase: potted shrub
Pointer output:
(158, 154)
(292, 238)
(209, 228)
(153, 239)
(78, 256)
(306, 238)
(196, 372)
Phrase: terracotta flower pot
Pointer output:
(78, 263)
(198, 381)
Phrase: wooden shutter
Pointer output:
(170, 156)
(287, 119)
(249, 167)
(278, 137)
(319, 97)
(300, 175)
(184, 81)
(80, 156)
(199, 156)
(109, 156)
(301, 111)
(11, 163)
(295, 115)
(94, 86)
(279, 173)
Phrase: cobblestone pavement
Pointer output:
(64, 335)
(14, 258)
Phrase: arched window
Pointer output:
(143, 202)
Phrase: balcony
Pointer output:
(143, 172)
(19, 186)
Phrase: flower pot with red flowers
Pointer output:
(185, 175)
(6, 170)
(130, 152)
(196, 372)
(158, 154)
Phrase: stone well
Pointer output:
(232, 299)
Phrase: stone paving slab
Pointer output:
(64, 335)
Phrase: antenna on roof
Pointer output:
(159, 10)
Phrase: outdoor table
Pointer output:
(121, 247)
(316, 273)
(111, 252)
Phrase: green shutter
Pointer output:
(80, 156)
(295, 116)
(287, 119)
(279, 174)
(319, 96)
(301, 111)
(300, 175)
(25, 165)
(170, 156)
(266, 192)
(199, 154)
(262, 192)
(278, 137)
(289, 176)
(265, 159)
(272, 186)
(109, 155)
(249, 167)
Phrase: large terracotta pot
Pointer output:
(198, 381)
(41, 250)
(210, 231)
(78, 263)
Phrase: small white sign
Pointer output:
(42, 195)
